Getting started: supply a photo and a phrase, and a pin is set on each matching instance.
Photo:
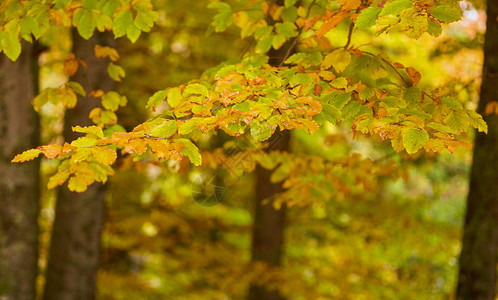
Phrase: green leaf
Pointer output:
(145, 20)
(340, 100)
(116, 72)
(77, 88)
(261, 133)
(414, 139)
(395, 7)
(286, 29)
(289, 14)
(156, 99)
(84, 142)
(447, 13)
(452, 103)
(414, 112)
(195, 89)
(476, 121)
(434, 29)
(366, 93)
(11, 45)
(121, 23)
(264, 44)
(191, 151)
(367, 17)
(458, 121)
(174, 97)
(412, 95)
(90, 4)
(111, 100)
(86, 24)
(164, 130)
(188, 126)
(339, 83)
(110, 7)
(440, 127)
(288, 3)
(133, 33)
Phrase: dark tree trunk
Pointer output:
(76, 237)
(19, 183)
(477, 273)
(269, 223)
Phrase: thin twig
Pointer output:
(389, 64)
(350, 33)
(294, 42)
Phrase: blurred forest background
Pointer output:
(174, 231)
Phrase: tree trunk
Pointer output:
(477, 273)
(75, 244)
(19, 183)
(269, 223)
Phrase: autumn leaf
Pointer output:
(104, 51)
(414, 139)
(27, 155)
(70, 64)
(414, 75)
(95, 130)
(349, 4)
(332, 22)
(367, 17)
(104, 155)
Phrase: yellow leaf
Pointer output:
(27, 155)
(104, 155)
(95, 130)
(339, 59)
(58, 179)
(104, 51)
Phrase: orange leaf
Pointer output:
(137, 146)
(70, 65)
(335, 20)
(349, 4)
(96, 94)
(414, 75)
(491, 108)
(51, 151)
(159, 148)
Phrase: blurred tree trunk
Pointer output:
(477, 274)
(76, 236)
(269, 223)
(19, 183)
